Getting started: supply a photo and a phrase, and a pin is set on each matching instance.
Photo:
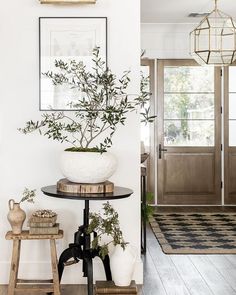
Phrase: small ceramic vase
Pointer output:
(16, 217)
(122, 265)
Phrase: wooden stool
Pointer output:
(16, 284)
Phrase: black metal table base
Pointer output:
(143, 215)
(81, 250)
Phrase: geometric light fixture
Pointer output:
(66, 1)
(213, 41)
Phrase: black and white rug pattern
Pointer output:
(195, 233)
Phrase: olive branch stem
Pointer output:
(102, 104)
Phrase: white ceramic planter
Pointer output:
(122, 264)
(87, 167)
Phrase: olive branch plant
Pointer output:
(102, 104)
(28, 196)
(106, 223)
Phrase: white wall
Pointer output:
(32, 161)
(166, 41)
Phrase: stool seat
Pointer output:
(25, 235)
(17, 285)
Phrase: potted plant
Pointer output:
(16, 216)
(102, 105)
(147, 210)
(123, 258)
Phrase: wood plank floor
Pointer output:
(189, 274)
(178, 274)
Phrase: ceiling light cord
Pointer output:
(208, 6)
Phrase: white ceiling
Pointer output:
(177, 11)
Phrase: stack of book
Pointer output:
(108, 287)
(43, 222)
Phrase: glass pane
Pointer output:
(189, 106)
(145, 71)
(232, 133)
(188, 133)
(189, 79)
(145, 128)
(232, 105)
(232, 79)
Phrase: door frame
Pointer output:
(151, 162)
(214, 199)
(229, 198)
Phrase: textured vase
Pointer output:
(87, 167)
(122, 264)
(16, 217)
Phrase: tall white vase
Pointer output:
(122, 264)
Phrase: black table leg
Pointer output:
(68, 254)
(143, 213)
(106, 264)
(89, 272)
(81, 250)
(88, 263)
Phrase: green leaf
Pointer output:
(102, 104)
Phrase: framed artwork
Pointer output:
(67, 39)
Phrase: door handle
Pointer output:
(161, 150)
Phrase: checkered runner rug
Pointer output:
(195, 233)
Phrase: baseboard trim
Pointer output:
(72, 274)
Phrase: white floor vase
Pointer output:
(122, 264)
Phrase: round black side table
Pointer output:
(81, 248)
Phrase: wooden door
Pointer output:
(230, 135)
(189, 133)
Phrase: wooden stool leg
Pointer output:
(54, 262)
(14, 267)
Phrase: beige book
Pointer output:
(45, 230)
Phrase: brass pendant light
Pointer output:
(213, 41)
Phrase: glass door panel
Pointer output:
(230, 135)
(189, 133)
(232, 106)
(145, 128)
(189, 106)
